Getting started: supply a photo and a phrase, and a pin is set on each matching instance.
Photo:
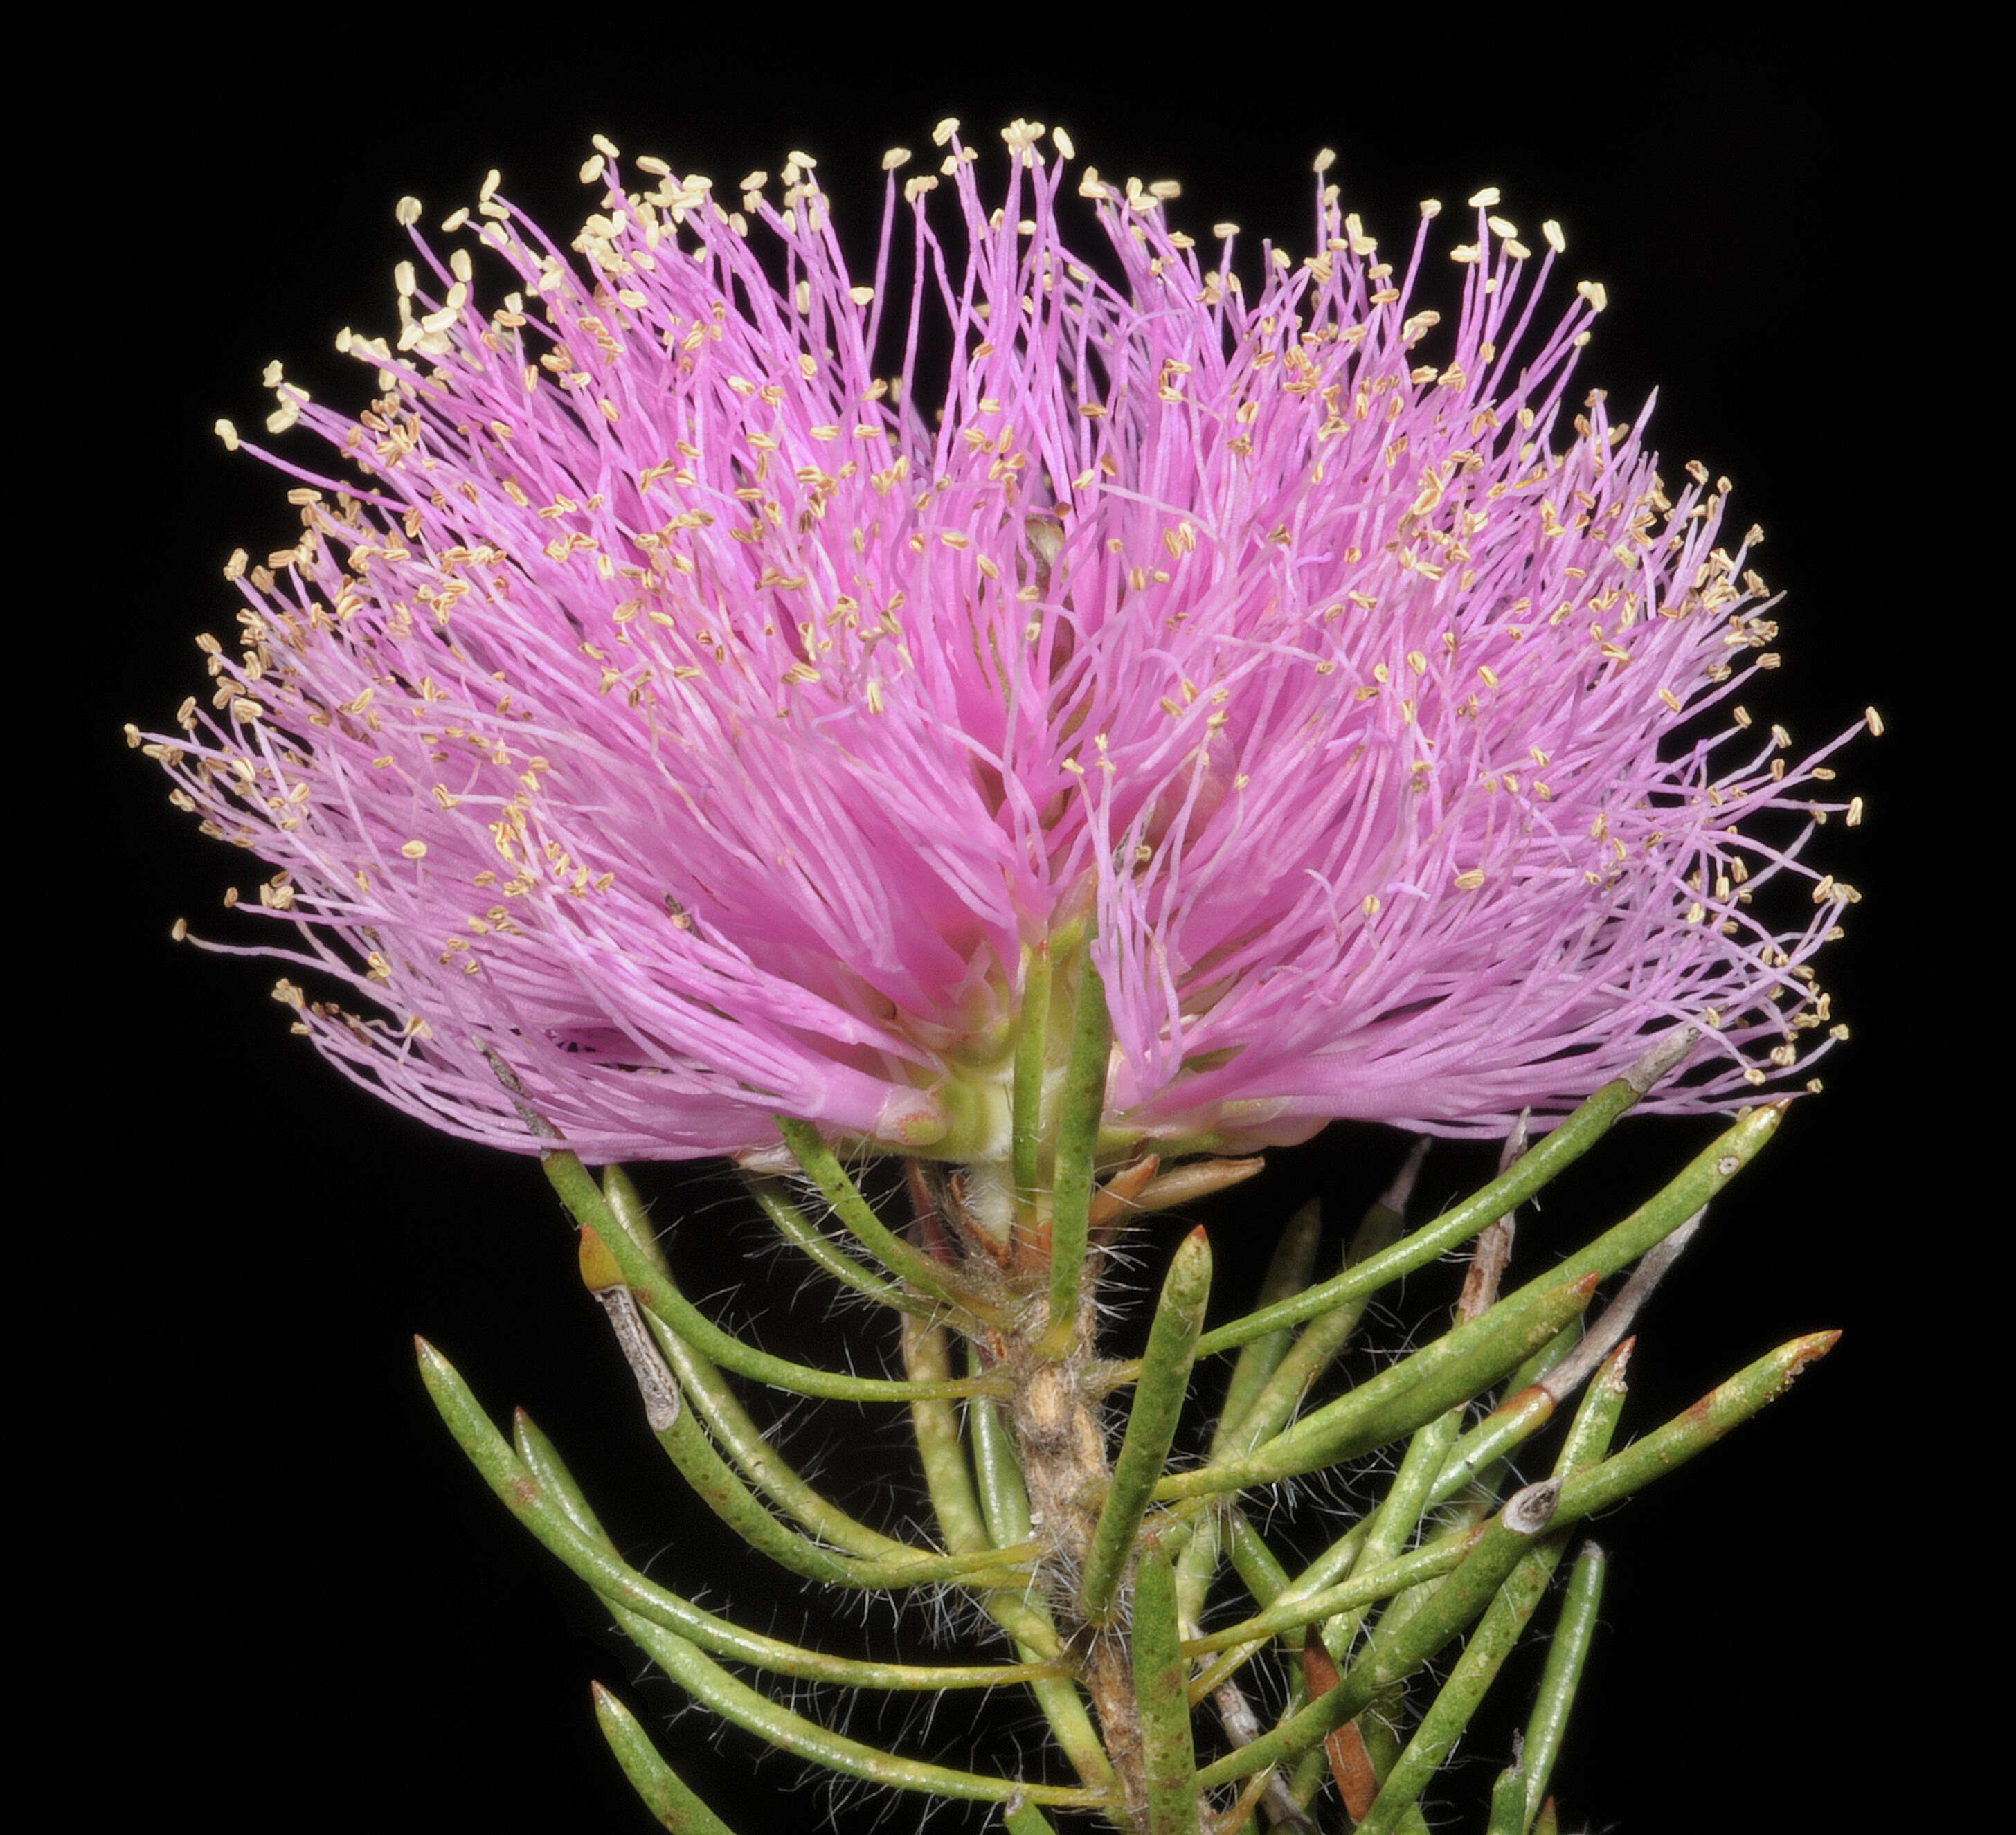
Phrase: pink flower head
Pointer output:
(665, 704)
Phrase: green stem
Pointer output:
(926, 1353)
(1004, 1505)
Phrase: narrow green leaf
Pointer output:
(1265, 1577)
(1553, 1154)
(1544, 1360)
(934, 1420)
(797, 1229)
(1652, 1221)
(1515, 1420)
(1004, 1497)
(1390, 1530)
(1666, 1449)
(1323, 1339)
(1078, 1117)
(1596, 1416)
(635, 1217)
(1310, 1773)
(588, 1208)
(672, 1309)
(1032, 1040)
(701, 1382)
(1287, 1273)
(1500, 1628)
(765, 1468)
(1449, 1374)
(665, 1795)
(1567, 1655)
(1022, 1817)
(1281, 1376)
(927, 1276)
(542, 1458)
(1169, 1755)
(1508, 1803)
(1458, 1601)
(1159, 1395)
(1458, 1365)
(595, 1561)
(1366, 1586)
(687, 1445)
(735, 1701)
(1585, 1493)
(1268, 1582)
(645, 1275)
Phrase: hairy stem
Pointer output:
(1062, 1441)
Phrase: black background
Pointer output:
(288, 1602)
